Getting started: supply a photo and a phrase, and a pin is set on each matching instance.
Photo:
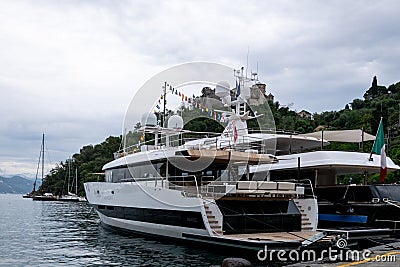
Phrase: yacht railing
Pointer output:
(208, 187)
(274, 131)
(189, 186)
(193, 188)
(218, 141)
(306, 183)
(216, 189)
(174, 141)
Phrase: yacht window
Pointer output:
(134, 172)
(109, 176)
(359, 193)
(118, 175)
(144, 171)
(391, 192)
(208, 173)
(128, 174)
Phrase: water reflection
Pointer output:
(69, 234)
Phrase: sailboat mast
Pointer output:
(38, 167)
(76, 181)
(42, 157)
(69, 175)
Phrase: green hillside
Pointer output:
(88, 162)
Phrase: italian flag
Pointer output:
(379, 148)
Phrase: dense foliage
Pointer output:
(89, 162)
(378, 102)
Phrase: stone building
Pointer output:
(270, 97)
(257, 94)
(304, 114)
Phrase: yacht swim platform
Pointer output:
(254, 242)
(298, 236)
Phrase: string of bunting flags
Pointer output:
(193, 103)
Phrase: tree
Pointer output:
(89, 160)
(394, 88)
(357, 104)
(375, 90)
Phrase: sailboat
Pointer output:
(72, 197)
(40, 196)
(33, 192)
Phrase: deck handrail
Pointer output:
(301, 183)
(246, 142)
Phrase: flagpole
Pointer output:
(164, 104)
(377, 131)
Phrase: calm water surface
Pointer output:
(34, 233)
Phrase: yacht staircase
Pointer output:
(214, 217)
(305, 218)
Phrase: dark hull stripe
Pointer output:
(189, 219)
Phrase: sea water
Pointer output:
(35, 233)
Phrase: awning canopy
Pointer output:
(346, 136)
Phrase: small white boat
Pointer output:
(72, 197)
(45, 197)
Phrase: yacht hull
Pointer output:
(139, 208)
(168, 214)
(161, 230)
(225, 245)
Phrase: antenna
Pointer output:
(257, 67)
(256, 78)
(247, 59)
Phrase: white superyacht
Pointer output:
(200, 190)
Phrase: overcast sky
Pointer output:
(70, 68)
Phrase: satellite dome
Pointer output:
(149, 119)
(175, 122)
(222, 89)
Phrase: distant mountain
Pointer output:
(18, 174)
(16, 185)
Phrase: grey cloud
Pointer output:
(70, 68)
